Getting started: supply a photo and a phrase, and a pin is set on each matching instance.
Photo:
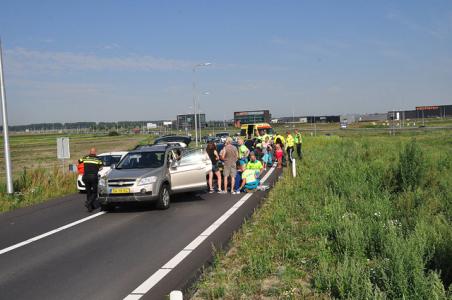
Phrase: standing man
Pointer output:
(298, 143)
(229, 155)
(90, 177)
(243, 151)
(290, 144)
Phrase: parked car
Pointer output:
(222, 136)
(153, 174)
(173, 139)
(108, 159)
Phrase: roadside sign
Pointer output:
(151, 125)
(63, 151)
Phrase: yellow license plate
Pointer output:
(120, 191)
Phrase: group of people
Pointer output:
(245, 163)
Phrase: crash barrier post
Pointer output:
(294, 168)
(176, 295)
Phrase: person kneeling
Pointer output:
(250, 180)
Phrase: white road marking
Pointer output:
(41, 236)
(151, 281)
(176, 259)
(196, 242)
(155, 278)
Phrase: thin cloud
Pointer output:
(405, 21)
(20, 59)
(111, 46)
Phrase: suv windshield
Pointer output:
(142, 160)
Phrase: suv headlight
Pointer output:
(102, 182)
(147, 180)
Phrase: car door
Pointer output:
(189, 172)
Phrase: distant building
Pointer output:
(251, 116)
(188, 121)
(310, 119)
(430, 111)
(372, 117)
(349, 118)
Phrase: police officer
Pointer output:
(298, 143)
(290, 143)
(90, 177)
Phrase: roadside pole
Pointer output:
(8, 166)
(194, 106)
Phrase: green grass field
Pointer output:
(366, 218)
(39, 175)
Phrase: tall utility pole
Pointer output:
(195, 95)
(9, 177)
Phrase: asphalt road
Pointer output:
(118, 254)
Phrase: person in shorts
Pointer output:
(229, 155)
(212, 152)
(266, 151)
(279, 155)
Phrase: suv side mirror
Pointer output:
(113, 166)
(173, 164)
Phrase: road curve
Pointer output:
(110, 255)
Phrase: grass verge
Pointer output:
(37, 185)
(38, 175)
(366, 218)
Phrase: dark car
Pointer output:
(173, 139)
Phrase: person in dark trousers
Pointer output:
(90, 177)
(298, 143)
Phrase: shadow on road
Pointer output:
(146, 206)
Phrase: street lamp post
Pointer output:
(206, 93)
(9, 177)
(195, 95)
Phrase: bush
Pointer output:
(37, 185)
(411, 167)
(113, 133)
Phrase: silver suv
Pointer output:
(154, 173)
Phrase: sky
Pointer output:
(68, 61)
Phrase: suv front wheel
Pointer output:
(163, 201)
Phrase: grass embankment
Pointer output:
(39, 176)
(366, 218)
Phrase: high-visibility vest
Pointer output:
(283, 141)
(290, 142)
(91, 164)
(242, 151)
(249, 175)
(298, 139)
(256, 165)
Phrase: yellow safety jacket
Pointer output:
(298, 139)
(249, 176)
(290, 142)
(256, 165)
(279, 137)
